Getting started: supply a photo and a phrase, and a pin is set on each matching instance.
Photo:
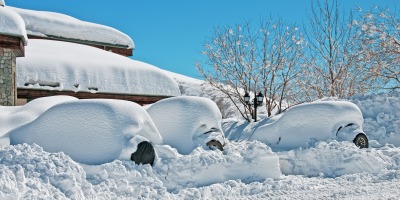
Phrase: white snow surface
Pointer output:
(323, 170)
(306, 123)
(50, 24)
(12, 24)
(201, 122)
(92, 131)
(55, 65)
(16, 116)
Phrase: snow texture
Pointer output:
(90, 131)
(16, 116)
(12, 24)
(55, 65)
(382, 116)
(244, 170)
(307, 123)
(187, 122)
(50, 24)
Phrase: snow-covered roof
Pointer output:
(57, 65)
(12, 24)
(56, 25)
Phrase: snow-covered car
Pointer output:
(304, 124)
(187, 122)
(91, 131)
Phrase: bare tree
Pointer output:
(332, 66)
(281, 54)
(379, 36)
(246, 59)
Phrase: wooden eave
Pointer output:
(24, 93)
(13, 42)
(115, 48)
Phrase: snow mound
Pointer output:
(12, 24)
(382, 116)
(187, 122)
(90, 131)
(75, 67)
(247, 161)
(50, 24)
(28, 172)
(332, 159)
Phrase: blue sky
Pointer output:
(169, 34)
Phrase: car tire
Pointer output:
(144, 154)
(213, 144)
(361, 140)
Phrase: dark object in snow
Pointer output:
(361, 140)
(213, 144)
(144, 154)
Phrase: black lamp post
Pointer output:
(257, 101)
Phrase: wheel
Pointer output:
(213, 144)
(144, 154)
(361, 140)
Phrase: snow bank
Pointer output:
(90, 131)
(55, 65)
(332, 160)
(12, 24)
(28, 172)
(50, 24)
(187, 122)
(246, 161)
(382, 116)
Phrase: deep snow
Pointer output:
(333, 170)
(76, 67)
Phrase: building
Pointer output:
(45, 54)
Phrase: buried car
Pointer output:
(304, 124)
(92, 131)
(187, 122)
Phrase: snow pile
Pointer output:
(12, 24)
(50, 24)
(67, 66)
(332, 160)
(381, 116)
(246, 161)
(28, 172)
(187, 122)
(91, 131)
(244, 170)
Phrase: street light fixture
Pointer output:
(257, 101)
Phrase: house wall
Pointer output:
(8, 89)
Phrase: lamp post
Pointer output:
(257, 101)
